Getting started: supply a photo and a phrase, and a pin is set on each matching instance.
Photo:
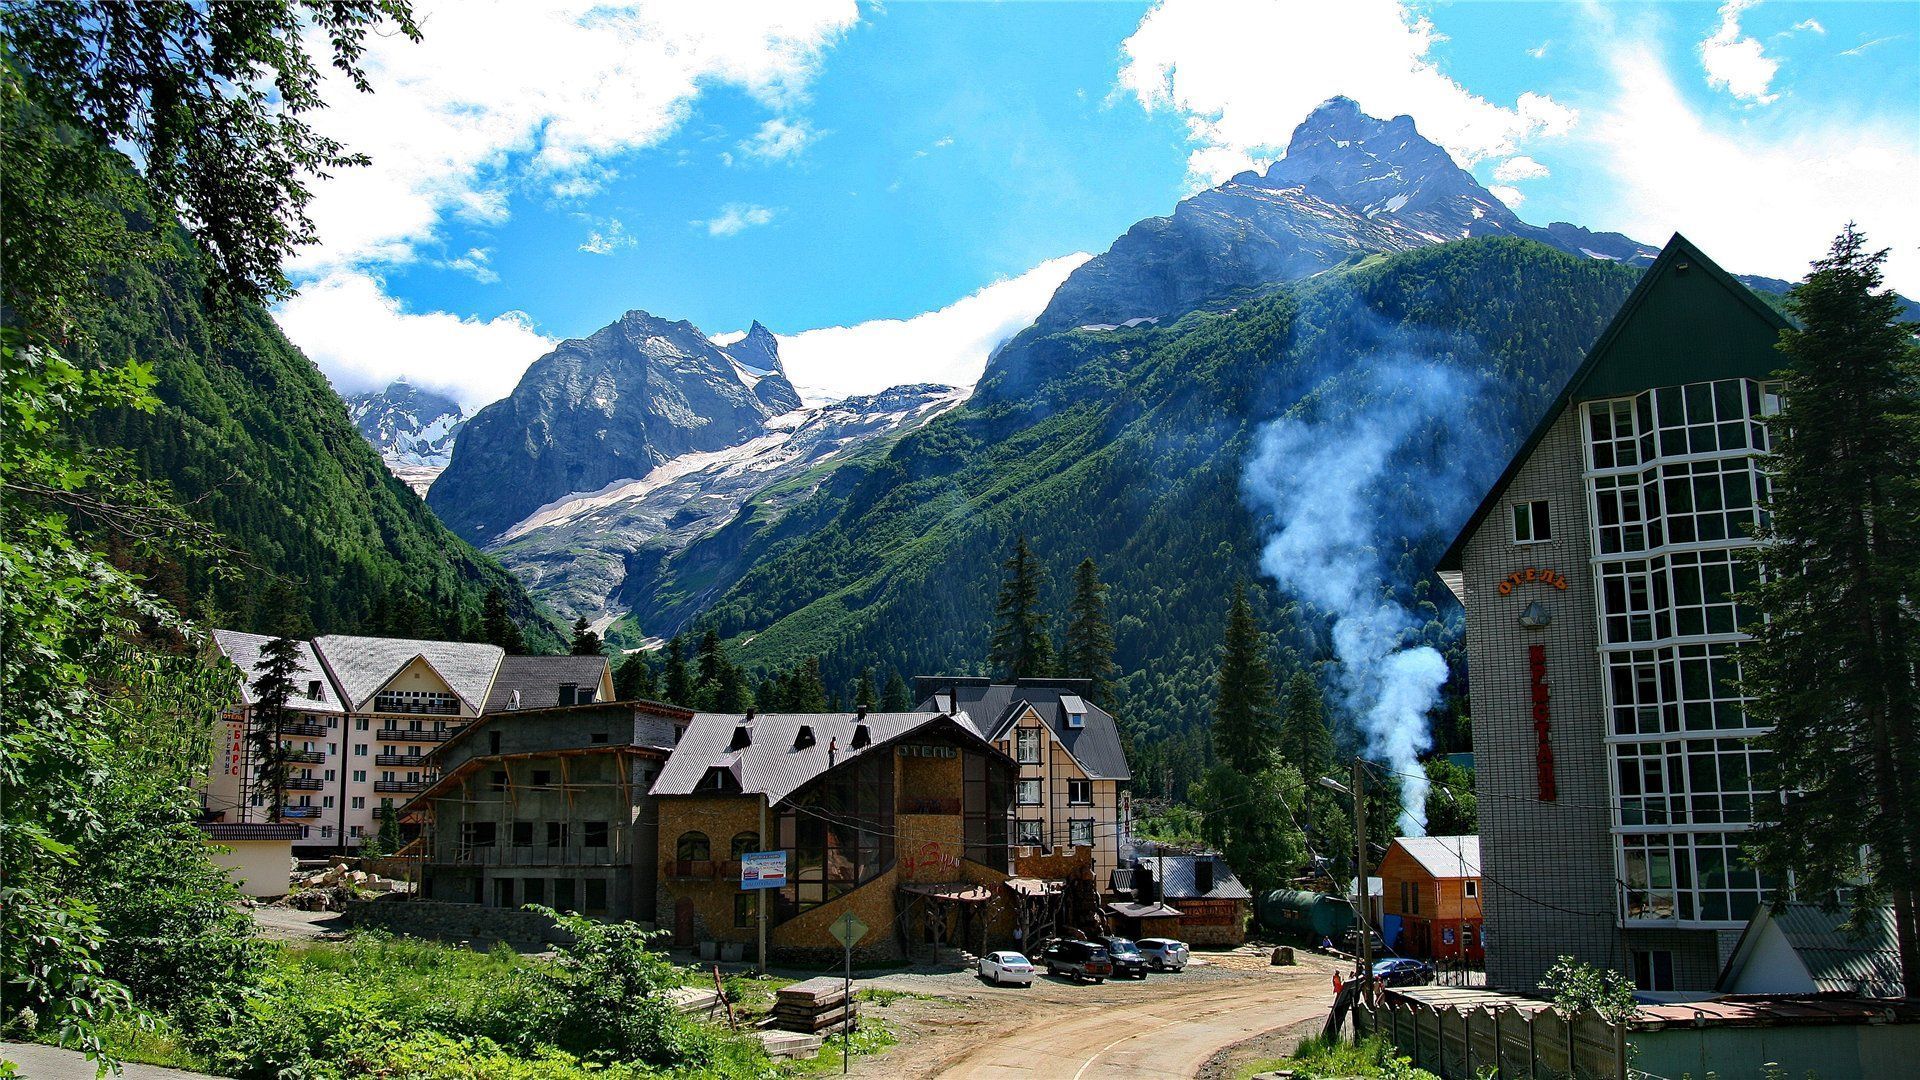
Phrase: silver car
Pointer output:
(1163, 954)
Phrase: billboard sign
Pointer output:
(763, 869)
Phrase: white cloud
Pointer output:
(778, 139)
(736, 218)
(1519, 168)
(1810, 25)
(950, 345)
(1865, 45)
(500, 95)
(363, 339)
(608, 238)
(1763, 199)
(1245, 75)
(474, 264)
(1736, 64)
(1539, 52)
(1508, 194)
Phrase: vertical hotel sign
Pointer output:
(230, 748)
(1542, 719)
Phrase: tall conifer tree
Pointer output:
(497, 625)
(273, 690)
(895, 697)
(585, 641)
(1244, 709)
(1835, 666)
(1021, 646)
(1305, 741)
(1089, 645)
(675, 680)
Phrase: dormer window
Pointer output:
(718, 778)
(862, 736)
(313, 689)
(804, 737)
(742, 738)
(1076, 719)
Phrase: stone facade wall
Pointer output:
(720, 818)
(454, 922)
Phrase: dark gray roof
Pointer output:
(248, 830)
(538, 678)
(362, 665)
(994, 707)
(770, 764)
(1840, 958)
(1177, 881)
(244, 651)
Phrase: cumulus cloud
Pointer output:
(736, 218)
(1672, 168)
(459, 121)
(1519, 168)
(778, 139)
(1508, 194)
(1736, 63)
(950, 345)
(1244, 76)
(606, 239)
(363, 339)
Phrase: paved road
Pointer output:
(52, 1063)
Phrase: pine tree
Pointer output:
(805, 690)
(497, 626)
(676, 681)
(389, 836)
(863, 690)
(634, 680)
(273, 690)
(1021, 646)
(585, 641)
(1835, 666)
(895, 697)
(1244, 707)
(1305, 741)
(1089, 646)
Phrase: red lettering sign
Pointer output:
(1532, 575)
(1542, 718)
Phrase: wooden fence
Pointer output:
(1540, 1044)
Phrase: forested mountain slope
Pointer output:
(1128, 445)
(254, 440)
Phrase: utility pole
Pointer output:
(760, 900)
(1360, 870)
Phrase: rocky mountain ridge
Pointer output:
(413, 428)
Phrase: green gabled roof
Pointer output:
(1685, 306)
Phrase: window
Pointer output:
(430, 702)
(359, 802)
(326, 831)
(1473, 889)
(329, 776)
(1076, 719)
(503, 892)
(360, 723)
(599, 737)
(1530, 522)
(742, 844)
(476, 834)
(594, 834)
(596, 896)
(1652, 969)
(533, 890)
(542, 777)
(745, 912)
(1026, 745)
(1080, 832)
(693, 847)
(523, 834)
(1027, 832)
(500, 780)
(354, 830)
(563, 894)
(359, 776)
(493, 742)
(327, 802)
(313, 689)
(1080, 792)
(1029, 792)
(556, 834)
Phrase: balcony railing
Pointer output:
(401, 785)
(304, 783)
(306, 757)
(704, 869)
(415, 707)
(303, 728)
(400, 734)
(300, 811)
(410, 761)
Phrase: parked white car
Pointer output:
(1163, 954)
(1002, 968)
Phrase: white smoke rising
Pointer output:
(1336, 480)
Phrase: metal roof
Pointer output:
(995, 706)
(538, 678)
(1839, 956)
(1145, 911)
(249, 830)
(362, 665)
(244, 650)
(1443, 856)
(1178, 881)
(1685, 306)
(770, 764)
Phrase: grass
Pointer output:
(1317, 1058)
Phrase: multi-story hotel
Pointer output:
(367, 712)
(1616, 766)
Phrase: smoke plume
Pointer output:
(1337, 482)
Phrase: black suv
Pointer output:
(1127, 958)
(1081, 959)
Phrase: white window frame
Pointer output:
(1543, 514)
(1026, 739)
(1020, 793)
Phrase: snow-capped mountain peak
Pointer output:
(413, 429)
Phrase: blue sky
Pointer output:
(894, 189)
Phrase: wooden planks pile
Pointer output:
(813, 1006)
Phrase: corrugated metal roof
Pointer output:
(244, 650)
(771, 764)
(539, 678)
(1444, 856)
(1178, 880)
(249, 830)
(995, 706)
(1843, 958)
(362, 665)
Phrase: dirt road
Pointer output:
(1167, 1026)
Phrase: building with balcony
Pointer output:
(370, 712)
(1615, 762)
(548, 806)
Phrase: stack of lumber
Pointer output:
(813, 1006)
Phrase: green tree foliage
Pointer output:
(273, 691)
(1576, 986)
(1244, 708)
(1089, 642)
(676, 680)
(895, 698)
(634, 679)
(497, 625)
(1835, 666)
(1021, 645)
(1452, 807)
(1305, 740)
(1250, 815)
(719, 685)
(863, 697)
(585, 641)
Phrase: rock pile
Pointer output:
(329, 888)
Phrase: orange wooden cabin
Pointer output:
(1433, 884)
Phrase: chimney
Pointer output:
(862, 736)
(1146, 888)
(742, 738)
(861, 713)
(953, 699)
(749, 714)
